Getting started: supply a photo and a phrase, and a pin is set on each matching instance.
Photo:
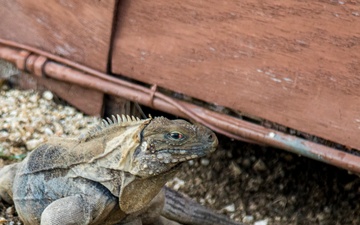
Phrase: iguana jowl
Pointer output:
(114, 174)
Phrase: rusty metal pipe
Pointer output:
(221, 123)
(287, 142)
(157, 100)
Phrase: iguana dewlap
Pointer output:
(114, 174)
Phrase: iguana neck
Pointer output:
(119, 147)
(115, 160)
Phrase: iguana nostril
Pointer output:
(210, 137)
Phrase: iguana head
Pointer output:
(145, 153)
(165, 143)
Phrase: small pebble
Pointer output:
(235, 169)
(3, 220)
(349, 186)
(48, 95)
(33, 143)
(248, 219)
(261, 222)
(10, 211)
(178, 183)
(205, 161)
(327, 209)
(230, 208)
(259, 166)
(48, 131)
(4, 135)
(246, 163)
(320, 216)
(34, 98)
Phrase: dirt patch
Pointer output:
(263, 183)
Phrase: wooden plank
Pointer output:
(77, 30)
(292, 62)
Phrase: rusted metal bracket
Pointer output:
(45, 64)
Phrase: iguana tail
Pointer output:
(7, 175)
(186, 211)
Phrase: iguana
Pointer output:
(113, 174)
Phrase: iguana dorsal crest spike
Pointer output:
(117, 120)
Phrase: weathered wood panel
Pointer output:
(77, 30)
(292, 62)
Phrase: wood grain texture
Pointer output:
(77, 30)
(291, 62)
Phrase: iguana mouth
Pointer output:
(195, 150)
(180, 155)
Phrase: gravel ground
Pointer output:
(250, 183)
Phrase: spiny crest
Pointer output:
(106, 123)
(118, 119)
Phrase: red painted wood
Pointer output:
(77, 30)
(291, 62)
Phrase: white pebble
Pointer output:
(33, 143)
(248, 219)
(4, 135)
(261, 222)
(33, 98)
(48, 131)
(230, 208)
(191, 162)
(205, 161)
(48, 95)
(178, 183)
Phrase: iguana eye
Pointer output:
(176, 135)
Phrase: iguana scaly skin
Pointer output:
(114, 174)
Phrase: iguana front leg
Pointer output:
(152, 214)
(68, 210)
(77, 209)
